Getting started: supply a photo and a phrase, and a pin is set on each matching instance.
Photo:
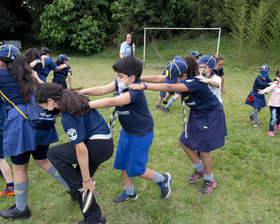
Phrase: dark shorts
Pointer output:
(170, 81)
(60, 80)
(39, 154)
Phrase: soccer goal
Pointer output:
(174, 28)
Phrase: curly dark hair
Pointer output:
(31, 54)
(69, 100)
(193, 66)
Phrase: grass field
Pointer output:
(246, 168)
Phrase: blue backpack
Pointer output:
(37, 116)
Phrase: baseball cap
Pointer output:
(195, 54)
(208, 60)
(8, 51)
(265, 68)
(62, 58)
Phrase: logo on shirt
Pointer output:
(72, 133)
(123, 112)
(190, 104)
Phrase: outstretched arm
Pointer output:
(99, 90)
(179, 87)
(120, 100)
(153, 78)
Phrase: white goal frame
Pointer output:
(178, 28)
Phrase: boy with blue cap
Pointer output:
(256, 100)
(60, 77)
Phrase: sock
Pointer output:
(54, 173)
(208, 177)
(10, 185)
(21, 192)
(158, 178)
(198, 166)
(170, 102)
(129, 190)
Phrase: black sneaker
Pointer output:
(165, 186)
(87, 200)
(158, 107)
(125, 197)
(166, 110)
(102, 221)
(164, 102)
(208, 186)
(195, 176)
(14, 213)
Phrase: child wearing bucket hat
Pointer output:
(60, 77)
(21, 139)
(256, 100)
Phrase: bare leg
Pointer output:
(6, 171)
(149, 174)
(20, 173)
(191, 153)
(207, 162)
(128, 181)
(45, 164)
(159, 100)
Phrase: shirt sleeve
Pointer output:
(51, 64)
(75, 129)
(221, 72)
(192, 85)
(133, 46)
(69, 70)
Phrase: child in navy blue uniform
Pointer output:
(91, 144)
(219, 70)
(60, 77)
(137, 134)
(48, 64)
(21, 140)
(206, 127)
(174, 69)
(256, 100)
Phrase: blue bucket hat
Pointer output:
(195, 54)
(8, 51)
(208, 60)
(62, 58)
(265, 69)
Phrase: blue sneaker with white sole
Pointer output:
(165, 186)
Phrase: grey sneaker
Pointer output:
(208, 186)
(165, 186)
(255, 125)
(195, 176)
(125, 197)
(166, 110)
(251, 117)
(158, 107)
(102, 221)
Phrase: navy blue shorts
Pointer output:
(39, 154)
(132, 153)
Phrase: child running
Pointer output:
(137, 134)
(273, 103)
(60, 77)
(255, 100)
(206, 127)
(91, 145)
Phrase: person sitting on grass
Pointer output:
(91, 145)
(205, 130)
(137, 134)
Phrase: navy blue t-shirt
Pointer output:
(82, 128)
(135, 118)
(218, 72)
(49, 65)
(10, 87)
(200, 96)
(261, 83)
(63, 73)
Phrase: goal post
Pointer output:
(178, 28)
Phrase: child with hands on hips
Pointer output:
(273, 103)
(91, 145)
(137, 134)
(206, 127)
(255, 100)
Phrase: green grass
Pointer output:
(246, 168)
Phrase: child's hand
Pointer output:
(260, 92)
(203, 79)
(137, 86)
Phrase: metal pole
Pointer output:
(219, 38)
(144, 48)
